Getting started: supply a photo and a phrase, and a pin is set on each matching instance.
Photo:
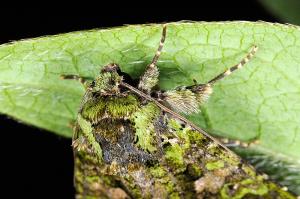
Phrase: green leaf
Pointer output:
(287, 10)
(261, 101)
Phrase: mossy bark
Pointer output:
(146, 153)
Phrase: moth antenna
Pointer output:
(83, 80)
(235, 67)
(74, 77)
(150, 77)
(160, 47)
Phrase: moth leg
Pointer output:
(188, 99)
(84, 81)
(150, 78)
(195, 81)
(227, 72)
(238, 143)
(72, 125)
(86, 138)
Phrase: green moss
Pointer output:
(161, 189)
(195, 137)
(214, 165)
(163, 182)
(214, 149)
(170, 186)
(143, 120)
(194, 170)
(114, 107)
(79, 177)
(245, 187)
(135, 190)
(158, 171)
(182, 133)
(94, 197)
(87, 131)
(102, 81)
(88, 157)
(121, 107)
(110, 130)
(92, 110)
(174, 155)
(108, 180)
(247, 169)
(231, 159)
(107, 82)
(280, 191)
(174, 195)
(173, 124)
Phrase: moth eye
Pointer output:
(93, 83)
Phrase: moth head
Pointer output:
(108, 81)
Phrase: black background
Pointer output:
(39, 164)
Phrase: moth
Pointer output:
(131, 141)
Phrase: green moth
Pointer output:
(130, 141)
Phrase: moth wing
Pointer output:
(187, 100)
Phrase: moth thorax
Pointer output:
(107, 83)
(203, 92)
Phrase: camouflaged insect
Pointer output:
(130, 142)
